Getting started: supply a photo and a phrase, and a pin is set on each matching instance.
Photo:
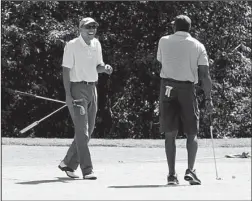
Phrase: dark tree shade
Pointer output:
(34, 34)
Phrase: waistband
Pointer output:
(177, 81)
(87, 83)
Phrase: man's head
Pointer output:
(88, 27)
(182, 23)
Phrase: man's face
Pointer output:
(89, 30)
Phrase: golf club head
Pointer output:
(218, 178)
(82, 110)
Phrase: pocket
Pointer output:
(165, 97)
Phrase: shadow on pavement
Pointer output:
(147, 186)
(59, 179)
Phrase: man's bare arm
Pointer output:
(159, 64)
(66, 80)
(206, 82)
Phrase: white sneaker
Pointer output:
(90, 176)
(69, 171)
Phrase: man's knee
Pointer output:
(81, 138)
(172, 134)
(191, 137)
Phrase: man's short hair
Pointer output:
(182, 23)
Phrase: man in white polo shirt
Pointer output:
(184, 61)
(82, 61)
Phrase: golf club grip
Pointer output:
(29, 127)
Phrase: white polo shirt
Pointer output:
(82, 59)
(180, 54)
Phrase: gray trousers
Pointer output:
(78, 153)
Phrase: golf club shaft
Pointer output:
(37, 122)
(236, 47)
(52, 113)
(211, 133)
(40, 97)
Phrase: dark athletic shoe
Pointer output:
(191, 177)
(172, 180)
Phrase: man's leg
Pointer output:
(71, 159)
(192, 147)
(91, 116)
(82, 91)
(190, 119)
(168, 108)
(81, 139)
(70, 162)
(92, 111)
(170, 150)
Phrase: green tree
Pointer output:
(34, 34)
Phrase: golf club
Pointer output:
(35, 96)
(211, 132)
(236, 47)
(82, 109)
(37, 122)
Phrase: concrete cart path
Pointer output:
(31, 173)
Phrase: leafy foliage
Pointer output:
(34, 34)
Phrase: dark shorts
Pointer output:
(180, 109)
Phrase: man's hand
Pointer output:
(108, 69)
(69, 100)
(209, 105)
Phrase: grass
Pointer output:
(140, 143)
